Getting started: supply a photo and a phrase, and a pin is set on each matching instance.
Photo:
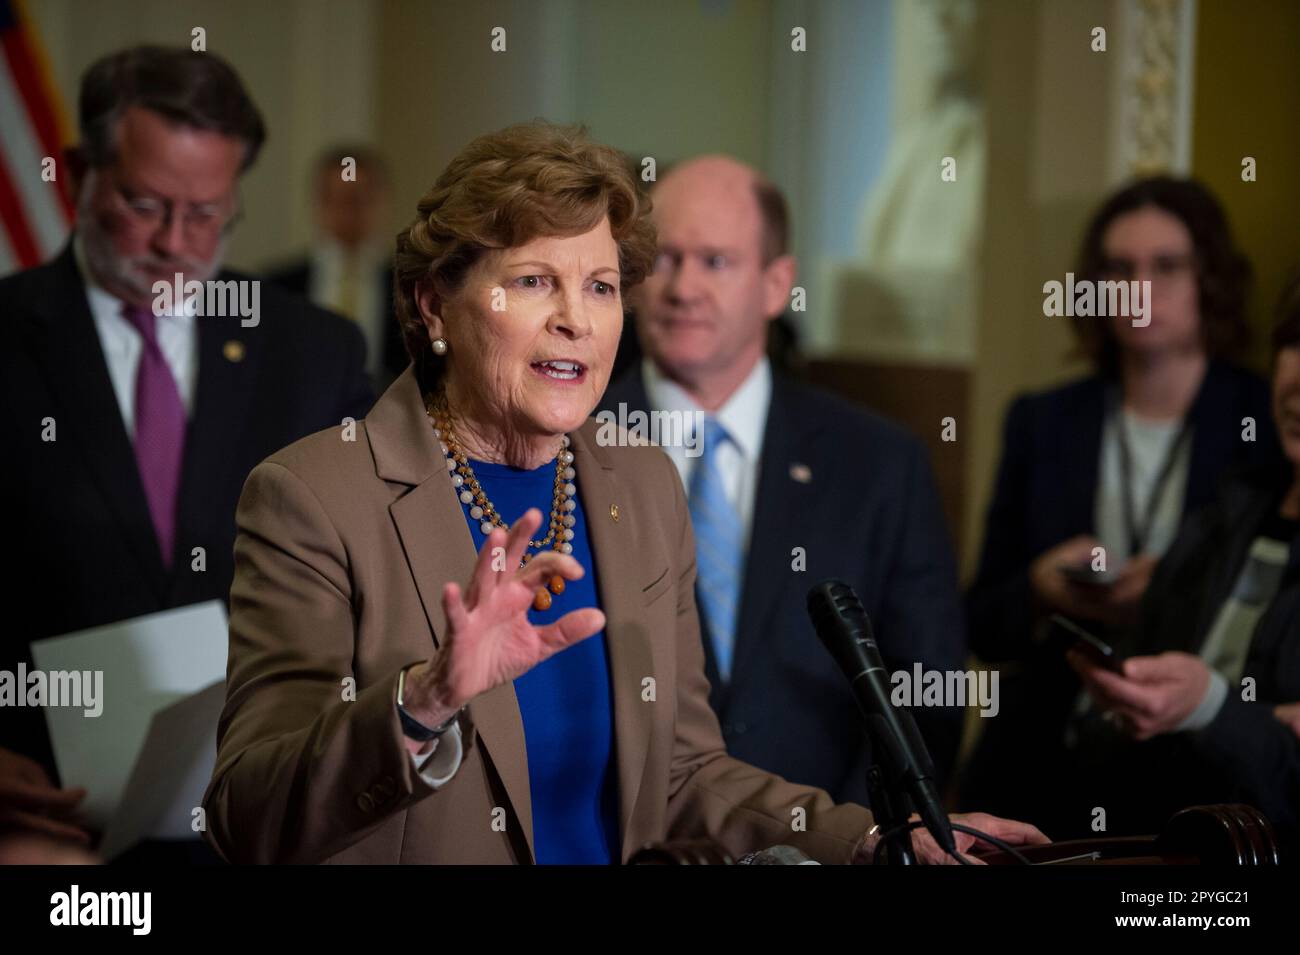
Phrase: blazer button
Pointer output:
(740, 728)
(365, 803)
(383, 790)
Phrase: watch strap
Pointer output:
(413, 728)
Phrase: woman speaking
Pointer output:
(464, 631)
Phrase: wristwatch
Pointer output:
(413, 728)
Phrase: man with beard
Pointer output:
(133, 425)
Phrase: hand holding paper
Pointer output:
(29, 802)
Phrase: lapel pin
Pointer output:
(801, 473)
(233, 350)
(613, 512)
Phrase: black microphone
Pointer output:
(843, 628)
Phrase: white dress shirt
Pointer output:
(329, 265)
(178, 340)
(743, 415)
(439, 765)
(1149, 442)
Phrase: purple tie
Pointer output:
(159, 430)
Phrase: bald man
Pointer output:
(788, 485)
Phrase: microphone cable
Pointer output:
(905, 827)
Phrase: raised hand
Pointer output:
(490, 640)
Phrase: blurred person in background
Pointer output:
(789, 466)
(1199, 714)
(1113, 464)
(349, 268)
(159, 417)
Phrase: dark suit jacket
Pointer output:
(1045, 494)
(1244, 754)
(296, 276)
(871, 516)
(89, 554)
(341, 559)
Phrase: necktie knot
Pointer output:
(144, 322)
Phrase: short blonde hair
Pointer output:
(503, 190)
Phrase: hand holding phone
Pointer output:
(1096, 650)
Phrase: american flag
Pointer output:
(35, 212)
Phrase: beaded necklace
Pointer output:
(559, 535)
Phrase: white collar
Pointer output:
(743, 415)
(101, 302)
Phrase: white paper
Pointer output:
(171, 774)
(148, 663)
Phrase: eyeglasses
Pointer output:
(199, 220)
(1162, 269)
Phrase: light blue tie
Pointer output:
(718, 547)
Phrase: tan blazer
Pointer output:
(344, 544)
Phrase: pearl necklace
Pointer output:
(559, 534)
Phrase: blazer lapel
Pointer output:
(228, 359)
(630, 390)
(439, 548)
(779, 502)
(1077, 464)
(68, 348)
(614, 545)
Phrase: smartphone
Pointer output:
(1084, 574)
(1097, 650)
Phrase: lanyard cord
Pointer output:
(1139, 534)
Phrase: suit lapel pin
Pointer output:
(801, 473)
(233, 350)
(613, 512)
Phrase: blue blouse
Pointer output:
(566, 702)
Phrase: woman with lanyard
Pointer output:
(1097, 476)
(1173, 726)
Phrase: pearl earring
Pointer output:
(439, 346)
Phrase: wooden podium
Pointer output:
(1221, 835)
(1199, 835)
